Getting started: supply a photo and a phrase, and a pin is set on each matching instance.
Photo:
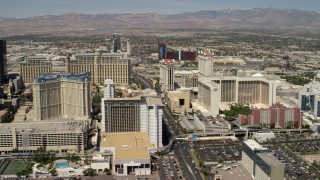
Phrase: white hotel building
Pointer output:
(216, 92)
(139, 114)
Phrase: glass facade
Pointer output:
(306, 102)
(318, 109)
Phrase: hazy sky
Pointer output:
(28, 8)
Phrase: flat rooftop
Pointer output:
(153, 101)
(149, 92)
(253, 145)
(126, 139)
(45, 126)
(269, 159)
(128, 145)
(190, 123)
(131, 153)
(124, 99)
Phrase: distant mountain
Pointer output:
(255, 18)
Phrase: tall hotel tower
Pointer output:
(33, 66)
(62, 96)
(101, 66)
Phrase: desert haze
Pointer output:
(255, 18)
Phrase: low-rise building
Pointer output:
(131, 152)
(263, 136)
(179, 101)
(62, 135)
(100, 162)
(276, 116)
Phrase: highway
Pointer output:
(146, 82)
(181, 149)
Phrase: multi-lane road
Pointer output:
(181, 149)
(146, 82)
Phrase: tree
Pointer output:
(53, 172)
(107, 171)
(289, 124)
(22, 173)
(89, 172)
(41, 156)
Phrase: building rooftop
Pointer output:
(36, 57)
(45, 126)
(149, 92)
(103, 54)
(128, 145)
(253, 145)
(269, 159)
(190, 123)
(153, 101)
(124, 99)
(131, 153)
(126, 139)
(83, 77)
(108, 81)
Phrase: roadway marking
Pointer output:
(189, 168)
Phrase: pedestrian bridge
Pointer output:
(184, 137)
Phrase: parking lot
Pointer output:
(214, 151)
(295, 166)
(305, 147)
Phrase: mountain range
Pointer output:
(253, 18)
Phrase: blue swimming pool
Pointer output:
(62, 165)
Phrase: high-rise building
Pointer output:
(161, 51)
(167, 76)
(215, 92)
(101, 66)
(151, 119)
(309, 98)
(33, 66)
(3, 60)
(276, 116)
(109, 88)
(260, 163)
(120, 114)
(62, 96)
(142, 114)
(116, 41)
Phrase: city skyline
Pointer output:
(30, 8)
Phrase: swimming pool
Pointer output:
(60, 165)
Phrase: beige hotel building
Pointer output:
(62, 135)
(101, 66)
(33, 66)
(62, 96)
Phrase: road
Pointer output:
(181, 149)
(146, 82)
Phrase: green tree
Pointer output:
(41, 156)
(89, 172)
(53, 172)
(236, 109)
(220, 160)
(107, 171)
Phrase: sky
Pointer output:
(29, 8)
